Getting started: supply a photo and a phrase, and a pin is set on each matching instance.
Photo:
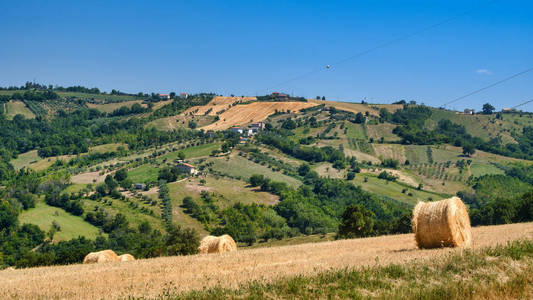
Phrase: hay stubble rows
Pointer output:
(151, 276)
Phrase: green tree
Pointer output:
(488, 109)
(121, 175)
(357, 221)
(469, 149)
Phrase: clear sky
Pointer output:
(249, 47)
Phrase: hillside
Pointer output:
(150, 176)
(155, 277)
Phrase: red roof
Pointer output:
(187, 165)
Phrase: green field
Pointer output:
(110, 107)
(32, 160)
(144, 173)
(18, 108)
(394, 189)
(134, 216)
(71, 226)
(242, 167)
(107, 148)
(192, 152)
(232, 190)
(25, 159)
(484, 126)
(180, 121)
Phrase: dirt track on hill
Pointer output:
(151, 277)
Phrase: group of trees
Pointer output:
(411, 128)
(244, 222)
(278, 139)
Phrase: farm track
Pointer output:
(151, 277)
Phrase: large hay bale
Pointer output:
(442, 223)
(100, 257)
(214, 244)
(126, 257)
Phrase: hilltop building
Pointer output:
(164, 96)
(187, 168)
(280, 96)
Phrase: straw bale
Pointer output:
(220, 244)
(100, 257)
(442, 223)
(126, 257)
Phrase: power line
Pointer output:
(521, 104)
(489, 86)
(382, 45)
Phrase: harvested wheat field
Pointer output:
(216, 105)
(150, 277)
(253, 112)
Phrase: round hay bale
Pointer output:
(100, 257)
(214, 244)
(126, 257)
(442, 223)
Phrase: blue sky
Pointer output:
(249, 47)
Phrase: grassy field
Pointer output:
(468, 275)
(397, 191)
(192, 152)
(239, 166)
(382, 130)
(484, 126)
(180, 121)
(32, 160)
(71, 226)
(110, 107)
(107, 148)
(232, 190)
(18, 108)
(134, 216)
(144, 173)
(379, 267)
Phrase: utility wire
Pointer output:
(488, 86)
(521, 104)
(382, 45)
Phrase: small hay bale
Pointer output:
(126, 257)
(214, 244)
(442, 223)
(100, 257)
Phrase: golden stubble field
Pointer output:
(254, 112)
(150, 277)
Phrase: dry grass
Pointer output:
(216, 105)
(253, 112)
(349, 106)
(393, 151)
(88, 177)
(151, 276)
